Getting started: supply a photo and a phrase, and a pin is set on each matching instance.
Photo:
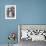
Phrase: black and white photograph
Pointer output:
(31, 34)
(10, 12)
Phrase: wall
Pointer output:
(27, 12)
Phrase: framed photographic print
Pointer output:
(10, 11)
(33, 32)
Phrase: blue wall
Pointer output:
(27, 12)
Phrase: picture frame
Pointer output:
(10, 11)
(36, 32)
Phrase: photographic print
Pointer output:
(10, 11)
(29, 34)
(32, 32)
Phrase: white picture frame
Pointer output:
(10, 11)
(31, 28)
